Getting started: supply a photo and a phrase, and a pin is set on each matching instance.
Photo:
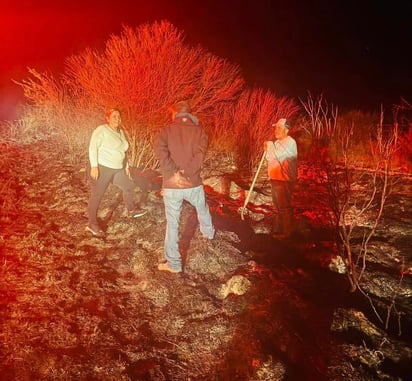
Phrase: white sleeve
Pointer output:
(95, 142)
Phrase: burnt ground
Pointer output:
(247, 307)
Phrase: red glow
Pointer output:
(41, 38)
(45, 36)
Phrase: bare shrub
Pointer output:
(363, 196)
(24, 130)
(142, 71)
(7, 203)
(246, 123)
(357, 195)
(8, 186)
(403, 116)
(362, 125)
(54, 112)
(405, 149)
(322, 118)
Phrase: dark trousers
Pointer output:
(282, 201)
(107, 175)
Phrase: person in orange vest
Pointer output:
(281, 156)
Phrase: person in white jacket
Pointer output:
(108, 164)
(281, 156)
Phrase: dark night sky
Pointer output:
(357, 53)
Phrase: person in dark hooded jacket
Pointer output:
(181, 148)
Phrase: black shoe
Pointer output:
(137, 213)
(96, 232)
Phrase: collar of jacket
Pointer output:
(193, 118)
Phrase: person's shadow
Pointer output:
(188, 226)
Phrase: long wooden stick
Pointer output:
(243, 209)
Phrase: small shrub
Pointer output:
(404, 154)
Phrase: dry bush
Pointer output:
(9, 187)
(244, 125)
(25, 130)
(362, 194)
(45, 96)
(322, 117)
(357, 194)
(328, 131)
(362, 126)
(142, 71)
(321, 126)
(54, 112)
(403, 117)
(8, 197)
(405, 150)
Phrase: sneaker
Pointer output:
(137, 213)
(96, 232)
(165, 267)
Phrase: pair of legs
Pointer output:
(107, 175)
(145, 182)
(282, 201)
(173, 200)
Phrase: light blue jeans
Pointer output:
(173, 199)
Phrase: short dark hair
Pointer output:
(181, 107)
(110, 110)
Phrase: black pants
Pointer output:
(117, 177)
(282, 201)
(282, 195)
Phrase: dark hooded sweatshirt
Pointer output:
(181, 146)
